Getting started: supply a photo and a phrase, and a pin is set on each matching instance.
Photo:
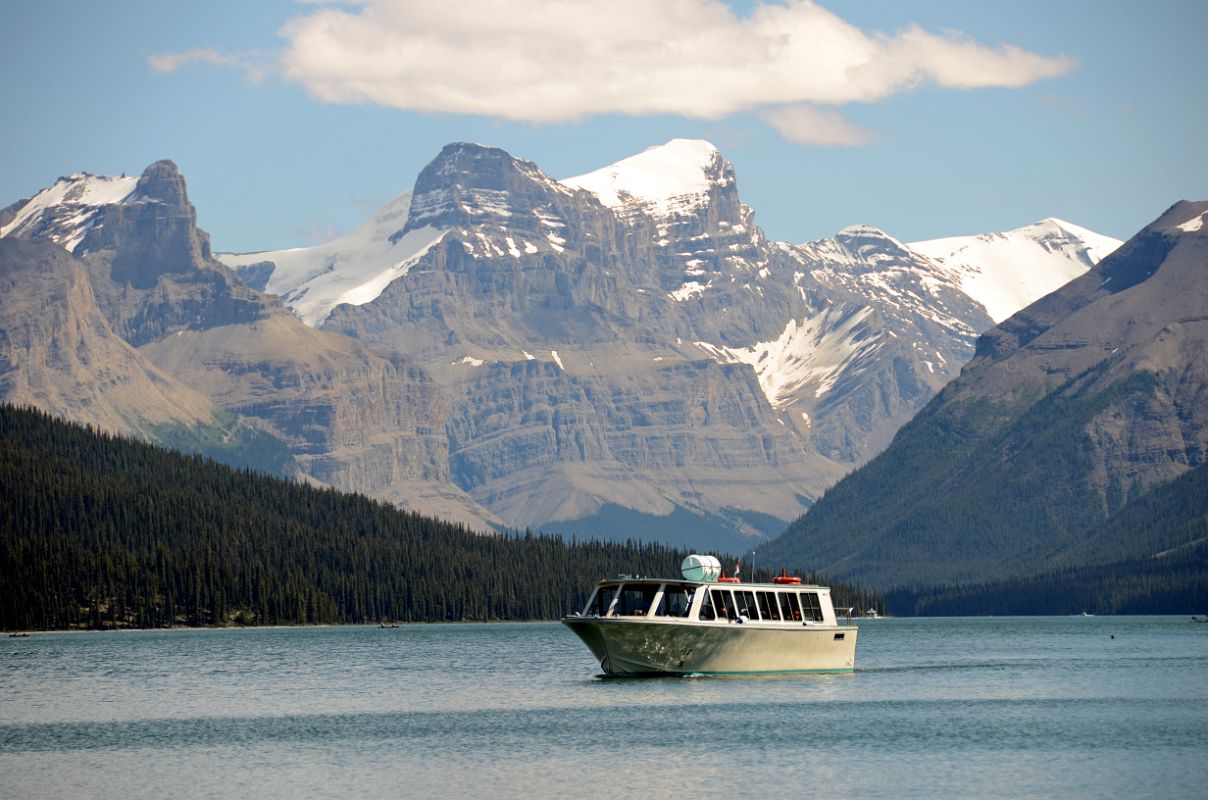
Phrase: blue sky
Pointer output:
(289, 131)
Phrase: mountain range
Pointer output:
(618, 354)
(1075, 438)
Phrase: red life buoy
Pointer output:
(789, 580)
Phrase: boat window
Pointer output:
(768, 609)
(746, 604)
(675, 603)
(810, 606)
(790, 608)
(636, 599)
(600, 601)
(723, 603)
(706, 608)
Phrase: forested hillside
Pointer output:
(98, 531)
(1177, 584)
(1151, 558)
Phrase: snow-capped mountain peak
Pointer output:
(64, 212)
(871, 245)
(1008, 271)
(353, 268)
(862, 230)
(661, 180)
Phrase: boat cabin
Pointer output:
(713, 602)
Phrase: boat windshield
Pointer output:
(600, 601)
(635, 599)
(676, 602)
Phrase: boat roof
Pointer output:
(718, 584)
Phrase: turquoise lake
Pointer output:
(969, 708)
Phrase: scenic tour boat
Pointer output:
(706, 623)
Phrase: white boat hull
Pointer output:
(653, 647)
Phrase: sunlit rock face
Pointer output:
(198, 340)
(621, 353)
(577, 326)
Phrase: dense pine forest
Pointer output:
(98, 531)
(1175, 584)
(1170, 524)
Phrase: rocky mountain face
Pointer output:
(618, 354)
(340, 413)
(572, 380)
(624, 352)
(60, 354)
(1070, 411)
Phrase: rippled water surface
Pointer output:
(1069, 707)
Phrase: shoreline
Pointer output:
(31, 632)
(22, 634)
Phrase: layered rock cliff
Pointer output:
(617, 354)
(625, 346)
(59, 353)
(348, 416)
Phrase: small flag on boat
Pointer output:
(737, 568)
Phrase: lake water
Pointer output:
(1051, 707)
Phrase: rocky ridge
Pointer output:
(1070, 410)
(629, 339)
(347, 416)
(619, 354)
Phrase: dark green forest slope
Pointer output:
(1010, 483)
(1169, 523)
(99, 531)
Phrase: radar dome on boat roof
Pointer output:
(700, 568)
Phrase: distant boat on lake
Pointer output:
(707, 623)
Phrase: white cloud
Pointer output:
(801, 124)
(559, 60)
(252, 64)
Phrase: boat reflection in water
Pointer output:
(705, 623)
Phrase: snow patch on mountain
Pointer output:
(64, 213)
(813, 353)
(883, 272)
(1005, 272)
(353, 269)
(688, 290)
(662, 180)
(1194, 224)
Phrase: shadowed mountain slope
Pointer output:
(1070, 409)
